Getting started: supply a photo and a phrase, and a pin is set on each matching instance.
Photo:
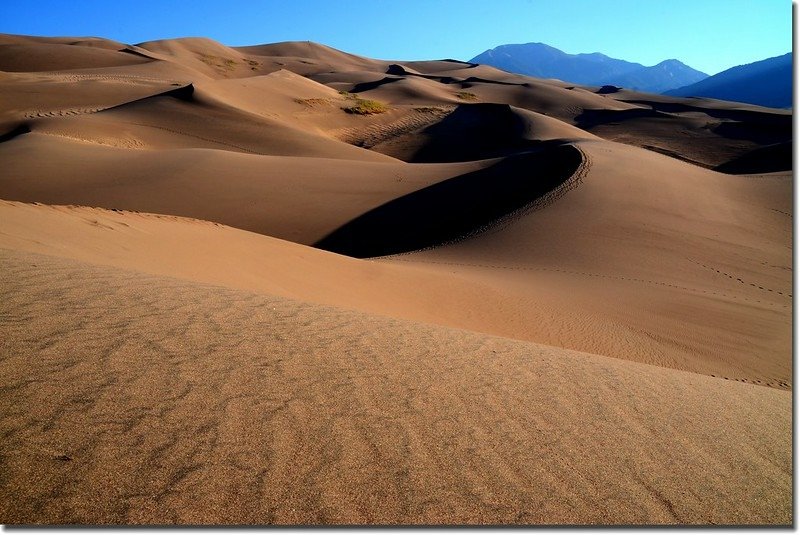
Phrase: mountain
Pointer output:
(659, 78)
(766, 83)
(544, 61)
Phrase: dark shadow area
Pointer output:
(608, 89)
(474, 132)
(185, 93)
(759, 132)
(590, 118)
(136, 53)
(674, 154)
(774, 119)
(467, 63)
(457, 207)
(17, 131)
(476, 80)
(447, 80)
(751, 125)
(396, 69)
(769, 159)
(399, 70)
(366, 86)
(436, 78)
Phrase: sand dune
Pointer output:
(510, 478)
(401, 423)
(287, 284)
(679, 227)
(286, 197)
(477, 131)
(48, 57)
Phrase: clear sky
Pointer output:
(709, 35)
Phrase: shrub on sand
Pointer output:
(366, 107)
(466, 95)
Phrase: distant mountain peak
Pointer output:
(594, 68)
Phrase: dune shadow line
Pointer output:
(457, 207)
(16, 131)
(475, 132)
(767, 159)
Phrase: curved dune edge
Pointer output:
(456, 208)
(150, 406)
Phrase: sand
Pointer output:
(504, 300)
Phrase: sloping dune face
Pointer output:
(287, 284)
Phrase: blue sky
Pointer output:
(709, 35)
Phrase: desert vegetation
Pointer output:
(466, 95)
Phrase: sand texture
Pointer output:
(230, 295)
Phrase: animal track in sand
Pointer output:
(68, 112)
(782, 385)
(740, 280)
(216, 141)
(130, 78)
(124, 143)
(585, 274)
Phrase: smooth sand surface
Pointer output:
(502, 300)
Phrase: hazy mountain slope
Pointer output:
(661, 77)
(766, 83)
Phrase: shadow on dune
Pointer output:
(396, 69)
(476, 80)
(475, 132)
(752, 125)
(458, 207)
(768, 159)
(137, 53)
(591, 118)
(17, 131)
(774, 118)
(400, 70)
(761, 132)
(608, 89)
(367, 86)
(467, 63)
(185, 93)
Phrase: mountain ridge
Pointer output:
(594, 68)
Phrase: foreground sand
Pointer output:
(503, 300)
(132, 397)
(139, 399)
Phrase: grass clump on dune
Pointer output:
(219, 63)
(466, 95)
(366, 107)
(362, 106)
(313, 102)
